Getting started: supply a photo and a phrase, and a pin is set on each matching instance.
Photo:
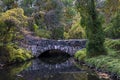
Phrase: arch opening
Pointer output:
(54, 56)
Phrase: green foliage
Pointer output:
(6, 30)
(109, 62)
(43, 33)
(66, 35)
(27, 3)
(39, 19)
(94, 31)
(4, 55)
(109, 9)
(113, 44)
(12, 53)
(9, 4)
(11, 22)
(48, 18)
(28, 11)
(57, 33)
(113, 29)
(106, 63)
(16, 14)
(81, 54)
(35, 27)
(40, 32)
(77, 32)
(108, 31)
(69, 12)
(27, 6)
(113, 53)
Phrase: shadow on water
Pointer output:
(50, 67)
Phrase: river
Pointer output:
(49, 66)
(46, 69)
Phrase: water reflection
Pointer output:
(12, 72)
(62, 71)
(54, 56)
(45, 68)
(61, 76)
(38, 70)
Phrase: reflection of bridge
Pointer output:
(38, 65)
(69, 46)
(64, 71)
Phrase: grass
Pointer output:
(106, 63)
(109, 62)
(113, 44)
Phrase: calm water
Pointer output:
(41, 69)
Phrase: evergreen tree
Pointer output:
(93, 26)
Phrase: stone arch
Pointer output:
(54, 53)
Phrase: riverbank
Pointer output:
(104, 64)
(109, 63)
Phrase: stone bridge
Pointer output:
(69, 46)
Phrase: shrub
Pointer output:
(11, 23)
(81, 54)
(43, 33)
(35, 27)
(40, 32)
(76, 32)
(12, 53)
(57, 33)
(17, 14)
(66, 35)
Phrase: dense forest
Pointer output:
(97, 21)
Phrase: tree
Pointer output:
(93, 26)
(27, 5)
(9, 4)
(113, 30)
(69, 13)
(48, 14)
(11, 23)
(111, 11)
(110, 8)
